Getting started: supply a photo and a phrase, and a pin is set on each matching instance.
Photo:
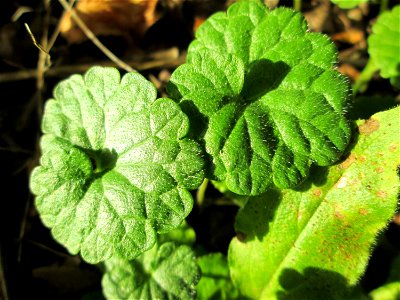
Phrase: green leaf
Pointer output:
(116, 166)
(384, 46)
(391, 289)
(346, 4)
(164, 272)
(316, 240)
(215, 282)
(265, 97)
(184, 234)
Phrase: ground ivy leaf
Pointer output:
(116, 166)
(164, 272)
(316, 240)
(384, 48)
(270, 102)
(184, 234)
(215, 282)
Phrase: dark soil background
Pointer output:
(32, 264)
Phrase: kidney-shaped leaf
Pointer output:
(165, 272)
(384, 45)
(116, 167)
(267, 95)
(316, 241)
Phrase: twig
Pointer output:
(56, 32)
(49, 249)
(94, 39)
(62, 71)
(3, 283)
(15, 150)
(37, 45)
(23, 227)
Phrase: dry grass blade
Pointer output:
(94, 39)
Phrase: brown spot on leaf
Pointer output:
(348, 162)
(348, 256)
(381, 194)
(363, 211)
(362, 158)
(317, 192)
(380, 170)
(339, 215)
(393, 148)
(369, 126)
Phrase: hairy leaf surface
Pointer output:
(384, 45)
(316, 240)
(116, 166)
(265, 96)
(164, 272)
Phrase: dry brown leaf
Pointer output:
(350, 71)
(351, 36)
(110, 17)
(197, 22)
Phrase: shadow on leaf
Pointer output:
(315, 283)
(263, 76)
(253, 220)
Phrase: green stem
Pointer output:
(201, 192)
(361, 83)
(384, 5)
(297, 5)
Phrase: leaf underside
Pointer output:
(316, 240)
(116, 166)
(164, 272)
(267, 100)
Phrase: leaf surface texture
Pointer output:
(116, 166)
(267, 99)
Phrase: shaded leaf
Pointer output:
(164, 272)
(215, 282)
(184, 234)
